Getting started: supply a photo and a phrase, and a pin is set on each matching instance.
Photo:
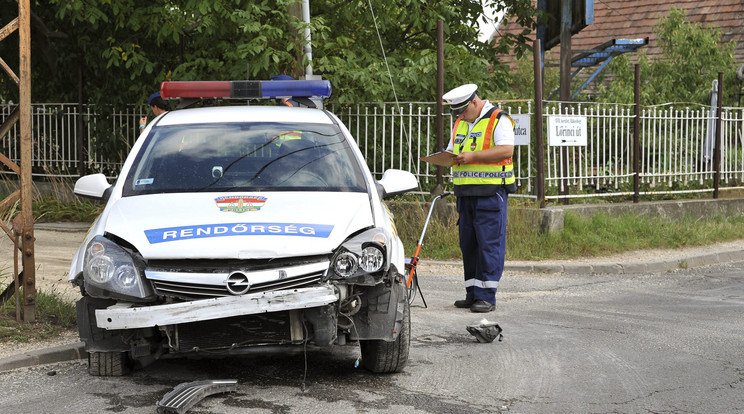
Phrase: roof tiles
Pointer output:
(632, 19)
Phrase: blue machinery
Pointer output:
(602, 55)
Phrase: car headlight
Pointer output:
(362, 255)
(372, 258)
(346, 264)
(110, 268)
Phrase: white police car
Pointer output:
(232, 227)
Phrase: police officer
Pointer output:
(157, 105)
(483, 141)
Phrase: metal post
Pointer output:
(717, 151)
(29, 271)
(637, 135)
(16, 277)
(308, 45)
(539, 141)
(440, 105)
(80, 124)
(565, 86)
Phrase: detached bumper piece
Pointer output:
(124, 316)
(188, 394)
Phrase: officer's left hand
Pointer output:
(465, 157)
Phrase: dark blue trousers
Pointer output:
(482, 225)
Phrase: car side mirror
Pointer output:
(395, 182)
(94, 186)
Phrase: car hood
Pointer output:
(238, 226)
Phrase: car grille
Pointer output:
(191, 281)
(263, 329)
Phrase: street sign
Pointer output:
(521, 129)
(567, 131)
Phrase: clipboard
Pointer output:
(443, 158)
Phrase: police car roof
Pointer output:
(246, 113)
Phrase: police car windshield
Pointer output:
(236, 157)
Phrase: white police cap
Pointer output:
(459, 98)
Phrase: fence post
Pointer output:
(81, 152)
(539, 150)
(565, 88)
(717, 152)
(637, 135)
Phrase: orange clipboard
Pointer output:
(443, 158)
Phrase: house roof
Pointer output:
(633, 19)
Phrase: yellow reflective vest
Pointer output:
(470, 178)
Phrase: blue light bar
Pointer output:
(293, 88)
(246, 89)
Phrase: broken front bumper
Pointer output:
(127, 316)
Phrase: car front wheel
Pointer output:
(108, 364)
(384, 357)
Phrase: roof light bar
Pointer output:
(246, 89)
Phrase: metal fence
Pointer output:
(676, 144)
(106, 137)
(398, 135)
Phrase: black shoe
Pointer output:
(465, 303)
(481, 306)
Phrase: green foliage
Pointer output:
(604, 234)
(118, 52)
(53, 314)
(349, 49)
(48, 209)
(521, 81)
(692, 57)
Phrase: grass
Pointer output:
(48, 209)
(600, 235)
(58, 203)
(604, 234)
(54, 315)
(52, 209)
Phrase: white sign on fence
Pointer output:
(521, 129)
(567, 131)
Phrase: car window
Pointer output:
(236, 157)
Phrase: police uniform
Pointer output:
(482, 192)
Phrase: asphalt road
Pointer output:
(625, 343)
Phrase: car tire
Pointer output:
(108, 364)
(383, 357)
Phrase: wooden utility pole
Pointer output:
(21, 232)
(717, 149)
(539, 138)
(637, 135)
(29, 273)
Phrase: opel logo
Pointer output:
(237, 283)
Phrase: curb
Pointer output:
(60, 353)
(69, 227)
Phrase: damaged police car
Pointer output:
(236, 227)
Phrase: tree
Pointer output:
(354, 35)
(692, 57)
(123, 49)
